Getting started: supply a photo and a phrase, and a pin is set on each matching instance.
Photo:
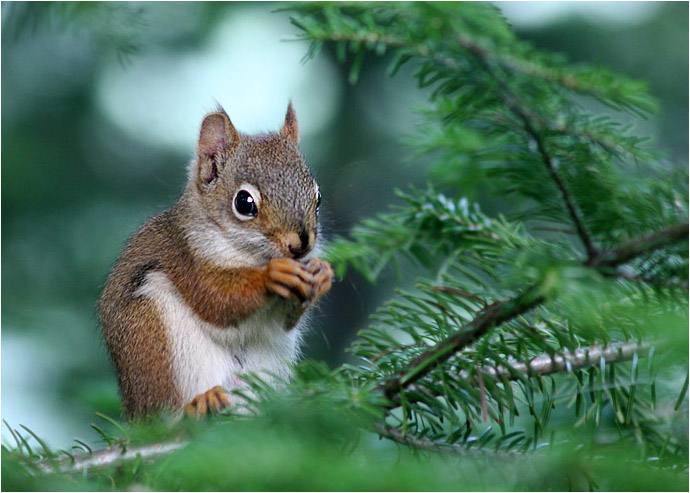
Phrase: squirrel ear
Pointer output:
(290, 128)
(217, 135)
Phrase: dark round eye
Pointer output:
(245, 205)
(318, 202)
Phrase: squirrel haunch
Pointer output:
(217, 285)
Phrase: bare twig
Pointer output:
(579, 359)
(547, 364)
(482, 395)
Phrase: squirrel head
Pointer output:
(254, 192)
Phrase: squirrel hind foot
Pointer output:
(210, 402)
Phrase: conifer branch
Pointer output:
(539, 365)
(503, 311)
(550, 364)
(548, 163)
(666, 284)
(108, 456)
(398, 436)
(522, 66)
(634, 248)
(486, 58)
(529, 123)
(488, 318)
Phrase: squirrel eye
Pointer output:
(245, 205)
(318, 202)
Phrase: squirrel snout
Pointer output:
(299, 243)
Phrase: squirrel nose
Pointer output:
(298, 243)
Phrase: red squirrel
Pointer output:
(218, 284)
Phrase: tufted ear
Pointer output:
(216, 137)
(290, 128)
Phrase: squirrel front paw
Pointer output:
(323, 276)
(210, 402)
(303, 282)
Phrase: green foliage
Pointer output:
(499, 109)
(509, 120)
(117, 26)
(542, 347)
(320, 441)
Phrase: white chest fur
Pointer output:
(204, 355)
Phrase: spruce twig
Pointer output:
(488, 318)
(639, 246)
(513, 103)
(434, 446)
(503, 311)
(108, 456)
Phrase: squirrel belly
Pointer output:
(204, 355)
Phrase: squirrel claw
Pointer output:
(290, 279)
(323, 276)
(210, 402)
(302, 282)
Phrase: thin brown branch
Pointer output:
(515, 106)
(636, 247)
(433, 446)
(567, 199)
(458, 292)
(530, 125)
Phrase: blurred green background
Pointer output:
(101, 104)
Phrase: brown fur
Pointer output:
(218, 294)
(133, 331)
